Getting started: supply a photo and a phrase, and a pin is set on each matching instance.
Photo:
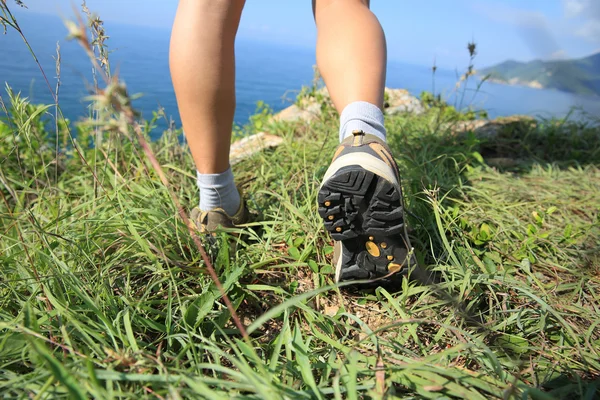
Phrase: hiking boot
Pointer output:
(360, 201)
(208, 222)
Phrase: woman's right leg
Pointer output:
(360, 198)
(351, 51)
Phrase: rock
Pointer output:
(405, 108)
(250, 145)
(502, 162)
(464, 126)
(401, 101)
(487, 129)
(309, 108)
(396, 97)
(295, 113)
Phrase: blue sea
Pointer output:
(265, 72)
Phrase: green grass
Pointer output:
(103, 292)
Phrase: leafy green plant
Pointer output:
(449, 112)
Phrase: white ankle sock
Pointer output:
(218, 191)
(363, 116)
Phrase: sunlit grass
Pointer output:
(104, 294)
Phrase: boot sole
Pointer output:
(364, 211)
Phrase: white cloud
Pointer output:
(585, 18)
(589, 30)
(573, 7)
(534, 28)
(502, 13)
(542, 33)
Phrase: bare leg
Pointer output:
(351, 51)
(203, 72)
(360, 199)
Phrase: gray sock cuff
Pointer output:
(218, 190)
(215, 181)
(361, 115)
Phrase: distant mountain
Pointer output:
(581, 76)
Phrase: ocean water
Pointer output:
(264, 72)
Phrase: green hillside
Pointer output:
(581, 76)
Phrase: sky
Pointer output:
(417, 32)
